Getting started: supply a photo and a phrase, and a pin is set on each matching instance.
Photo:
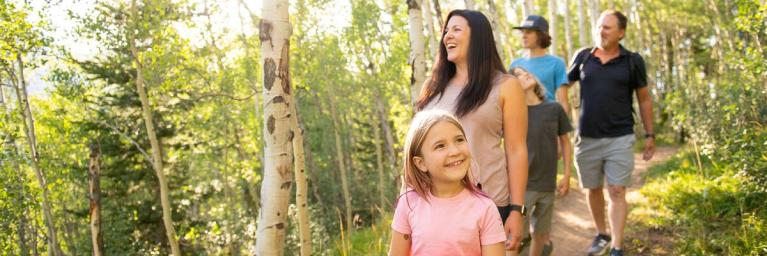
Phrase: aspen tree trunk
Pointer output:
(11, 143)
(553, 27)
(341, 165)
(581, 25)
(470, 4)
(34, 227)
(638, 21)
(157, 164)
(274, 32)
(302, 204)
(388, 136)
(611, 3)
(378, 141)
(433, 37)
(94, 169)
(499, 43)
(528, 8)
(438, 13)
(20, 85)
(568, 31)
(594, 9)
(417, 62)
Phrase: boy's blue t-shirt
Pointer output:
(550, 70)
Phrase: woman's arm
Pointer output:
(400, 244)
(514, 111)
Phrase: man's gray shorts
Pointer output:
(596, 158)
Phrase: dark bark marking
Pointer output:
(278, 99)
(270, 124)
(285, 67)
(265, 31)
(269, 75)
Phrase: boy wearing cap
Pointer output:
(550, 70)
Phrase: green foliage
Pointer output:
(372, 240)
(708, 212)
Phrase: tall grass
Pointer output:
(713, 212)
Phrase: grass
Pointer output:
(372, 240)
(689, 210)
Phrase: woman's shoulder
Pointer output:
(502, 78)
(508, 84)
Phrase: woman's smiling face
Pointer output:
(456, 38)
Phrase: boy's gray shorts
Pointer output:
(540, 209)
(596, 158)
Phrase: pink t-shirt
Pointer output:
(459, 225)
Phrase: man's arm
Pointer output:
(645, 110)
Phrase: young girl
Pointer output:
(442, 212)
(469, 80)
(547, 123)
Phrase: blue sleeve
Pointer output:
(513, 64)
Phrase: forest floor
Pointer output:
(572, 227)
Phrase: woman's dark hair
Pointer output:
(483, 61)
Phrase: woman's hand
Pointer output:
(513, 228)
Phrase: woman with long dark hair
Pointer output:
(469, 80)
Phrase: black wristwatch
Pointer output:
(649, 135)
(520, 208)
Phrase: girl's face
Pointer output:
(445, 154)
(456, 38)
(525, 78)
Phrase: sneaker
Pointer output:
(548, 248)
(599, 246)
(616, 252)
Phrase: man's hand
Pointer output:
(564, 186)
(513, 228)
(649, 148)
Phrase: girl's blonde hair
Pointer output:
(539, 90)
(423, 122)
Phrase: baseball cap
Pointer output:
(535, 22)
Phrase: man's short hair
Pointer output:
(622, 20)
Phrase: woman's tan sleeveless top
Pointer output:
(484, 131)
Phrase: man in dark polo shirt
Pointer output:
(609, 75)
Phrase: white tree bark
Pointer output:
(417, 62)
(302, 204)
(157, 163)
(594, 15)
(552, 10)
(20, 86)
(568, 31)
(581, 25)
(341, 165)
(470, 4)
(528, 8)
(94, 185)
(433, 37)
(499, 42)
(274, 32)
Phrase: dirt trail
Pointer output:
(572, 228)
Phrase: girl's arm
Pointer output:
(567, 154)
(400, 244)
(514, 111)
(493, 250)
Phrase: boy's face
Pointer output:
(529, 39)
